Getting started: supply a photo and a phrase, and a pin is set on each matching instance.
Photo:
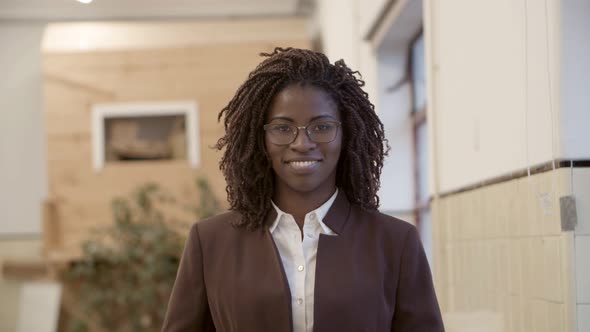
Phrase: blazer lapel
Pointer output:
(332, 262)
(278, 266)
(246, 284)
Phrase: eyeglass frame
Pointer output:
(298, 128)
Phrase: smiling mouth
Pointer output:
(303, 165)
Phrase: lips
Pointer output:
(303, 165)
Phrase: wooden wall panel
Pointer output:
(73, 82)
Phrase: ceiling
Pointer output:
(72, 10)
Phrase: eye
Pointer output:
(322, 127)
(281, 128)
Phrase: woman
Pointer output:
(303, 247)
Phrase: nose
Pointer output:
(302, 142)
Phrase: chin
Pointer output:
(305, 187)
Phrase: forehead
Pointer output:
(302, 103)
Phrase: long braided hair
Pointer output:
(248, 172)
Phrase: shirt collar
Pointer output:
(320, 213)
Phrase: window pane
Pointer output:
(418, 74)
(422, 163)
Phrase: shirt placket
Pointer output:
(299, 267)
(310, 238)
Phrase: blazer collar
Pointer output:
(336, 217)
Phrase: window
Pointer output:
(132, 132)
(417, 77)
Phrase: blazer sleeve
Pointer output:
(188, 308)
(416, 304)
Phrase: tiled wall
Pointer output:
(581, 190)
(501, 261)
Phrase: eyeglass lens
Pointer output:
(318, 132)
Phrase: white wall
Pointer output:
(22, 149)
(342, 25)
(339, 30)
(391, 40)
(575, 76)
(397, 181)
(496, 87)
(369, 12)
(85, 36)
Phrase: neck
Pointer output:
(299, 204)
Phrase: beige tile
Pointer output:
(477, 226)
(552, 267)
(503, 210)
(518, 314)
(488, 200)
(555, 317)
(438, 223)
(493, 266)
(465, 203)
(498, 302)
(488, 269)
(582, 245)
(473, 321)
(533, 223)
(517, 209)
(478, 278)
(568, 278)
(451, 299)
(452, 218)
(527, 315)
(503, 266)
(549, 202)
(512, 209)
(466, 277)
(539, 316)
(536, 278)
(528, 265)
(565, 183)
(516, 270)
(507, 308)
(473, 217)
(442, 297)
(521, 215)
(450, 261)
(442, 267)
(456, 282)
(498, 211)
(581, 189)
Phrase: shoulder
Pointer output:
(382, 221)
(220, 221)
(218, 236)
(221, 229)
(391, 232)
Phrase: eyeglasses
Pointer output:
(318, 132)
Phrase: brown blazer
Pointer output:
(373, 276)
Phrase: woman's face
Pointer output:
(304, 166)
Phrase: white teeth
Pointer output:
(302, 164)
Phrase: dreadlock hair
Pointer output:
(248, 172)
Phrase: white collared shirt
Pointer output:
(299, 258)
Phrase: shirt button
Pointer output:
(300, 301)
(300, 268)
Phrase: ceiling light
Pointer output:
(85, 1)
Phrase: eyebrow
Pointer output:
(311, 120)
